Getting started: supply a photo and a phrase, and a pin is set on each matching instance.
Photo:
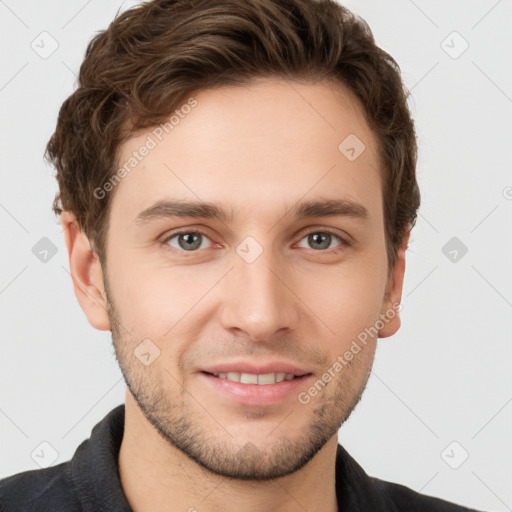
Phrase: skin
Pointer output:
(256, 150)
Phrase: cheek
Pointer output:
(151, 299)
(347, 300)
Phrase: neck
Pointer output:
(158, 477)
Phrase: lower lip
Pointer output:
(256, 394)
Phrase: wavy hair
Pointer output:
(154, 56)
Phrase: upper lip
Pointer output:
(256, 369)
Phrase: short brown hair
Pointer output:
(154, 56)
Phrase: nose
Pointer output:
(258, 298)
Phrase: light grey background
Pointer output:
(444, 377)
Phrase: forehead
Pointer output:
(257, 146)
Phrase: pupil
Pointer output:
(192, 239)
(323, 239)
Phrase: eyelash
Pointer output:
(343, 242)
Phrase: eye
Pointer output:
(187, 240)
(321, 240)
(192, 241)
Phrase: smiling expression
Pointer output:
(249, 252)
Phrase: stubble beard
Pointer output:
(209, 444)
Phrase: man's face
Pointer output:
(262, 290)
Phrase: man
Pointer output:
(237, 189)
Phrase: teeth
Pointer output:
(248, 378)
(251, 378)
(267, 378)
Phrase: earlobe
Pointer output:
(390, 313)
(86, 273)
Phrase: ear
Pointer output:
(86, 273)
(390, 312)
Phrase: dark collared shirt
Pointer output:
(90, 482)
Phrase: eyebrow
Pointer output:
(165, 209)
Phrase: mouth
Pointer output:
(262, 379)
(256, 388)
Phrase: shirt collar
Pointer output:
(95, 473)
(95, 469)
(355, 490)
